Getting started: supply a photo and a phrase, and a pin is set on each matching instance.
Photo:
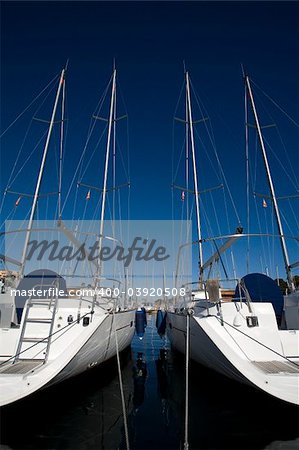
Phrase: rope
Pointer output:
(121, 386)
(186, 443)
(255, 340)
(221, 320)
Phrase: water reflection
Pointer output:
(162, 380)
(139, 377)
(83, 413)
(227, 415)
(86, 413)
(147, 425)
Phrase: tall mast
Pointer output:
(61, 149)
(40, 175)
(187, 161)
(114, 162)
(113, 90)
(247, 179)
(114, 165)
(272, 191)
(194, 174)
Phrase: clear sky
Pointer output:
(150, 40)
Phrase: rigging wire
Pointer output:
(224, 179)
(89, 134)
(27, 159)
(253, 178)
(94, 151)
(293, 212)
(268, 238)
(11, 181)
(288, 158)
(175, 172)
(260, 230)
(296, 183)
(30, 104)
(280, 163)
(286, 221)
(182, 152)
(15, 164)
(276, 104)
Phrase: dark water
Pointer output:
(85, 412)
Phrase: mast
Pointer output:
(61, 149)
(272, 191)
(194, 174)
(40, 175)
(247, 178)
(187, 162)
(114, 163)
(112, 104)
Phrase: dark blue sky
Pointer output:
(149, 41)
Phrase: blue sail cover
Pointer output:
(262, 288)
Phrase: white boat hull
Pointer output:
(72, 352)
(202, 348)
(101, 346)
(260, 357)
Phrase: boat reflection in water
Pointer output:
(139, 377)
(86, 412)
(149, 427)
(162, 381)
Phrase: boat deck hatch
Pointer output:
(277, 367)
(21, 367)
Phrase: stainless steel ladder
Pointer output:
(51, 304)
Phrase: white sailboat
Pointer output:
(59, 336)
(242, 339)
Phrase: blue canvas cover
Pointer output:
(262, 288)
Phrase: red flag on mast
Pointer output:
(18, 201)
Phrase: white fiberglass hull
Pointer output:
(232, 353)
(202, 348)
(72, 352)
